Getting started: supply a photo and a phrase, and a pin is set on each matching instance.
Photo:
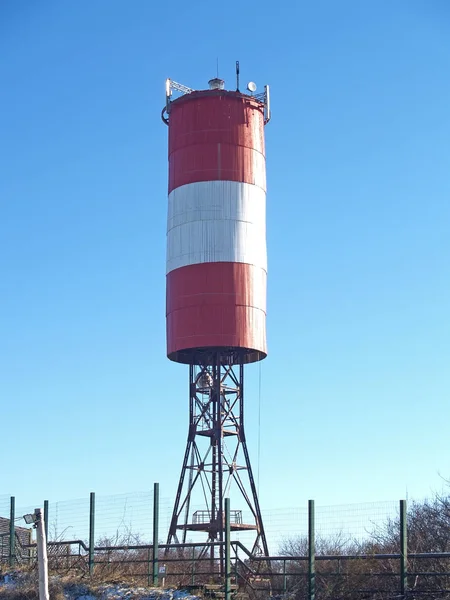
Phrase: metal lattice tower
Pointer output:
(216, 457)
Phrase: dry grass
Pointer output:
(27, 589)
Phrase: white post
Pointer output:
(42, 555)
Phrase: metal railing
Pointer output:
(204, 516)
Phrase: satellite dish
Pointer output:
(251, 86)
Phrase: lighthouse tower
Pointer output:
(216, 294)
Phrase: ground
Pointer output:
(23, 586)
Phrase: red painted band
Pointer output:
(216, 137)
(210, 119)
(214, 305)
(216, 161)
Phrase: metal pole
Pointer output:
(155, 532)
(12, 532)
(227, 551)
(91, 532)
(46, 518)
(403, 549)
(42, 555)
(193, 566)
(219, 441)
(149, 569)
(284, 576)
(311, 553)
(216, 468)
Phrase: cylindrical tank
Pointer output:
(216, 228)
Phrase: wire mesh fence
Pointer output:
(118, 518)
(128, 518)
(356, 521)
(341, 525)
(4, 505)
(356, 546)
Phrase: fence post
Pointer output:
(46, 518)
(12, 532)
(149, 569)
(227, 551)
(284, 576)
(155, 532)
(311, 553)
(91, 532)
(193, 566)
(403, 549)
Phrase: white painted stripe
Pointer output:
(216, 221)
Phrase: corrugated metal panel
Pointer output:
(216, 221)
(216, 138)
(216, 200)
(238, 327)
(216, 283)
(219, 118)
(216, 161)
(214, 305)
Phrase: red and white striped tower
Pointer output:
(216, 291)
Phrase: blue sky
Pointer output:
(354, 395)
